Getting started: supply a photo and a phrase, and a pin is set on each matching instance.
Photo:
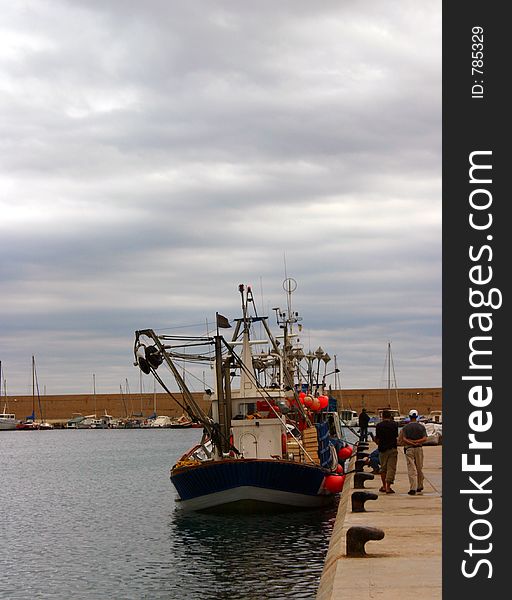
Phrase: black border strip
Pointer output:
(475, 120)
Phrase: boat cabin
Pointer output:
(258, 438)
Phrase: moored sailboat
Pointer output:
(270, 440)
(30, 422)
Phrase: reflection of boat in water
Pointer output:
(248, 452)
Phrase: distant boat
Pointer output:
(435, 416)
(30, 421)
(162, 421)
(75, 421)
(349, 418)
(7, 420)
(182, 422)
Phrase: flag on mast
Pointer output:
(222, 322)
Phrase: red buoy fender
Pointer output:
(344, 453)
(334, 483)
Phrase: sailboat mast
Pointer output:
(396, 386)
(389, 373)
(94, 393)
(140, 386)
(33, 387)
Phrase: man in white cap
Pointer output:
(414, 435)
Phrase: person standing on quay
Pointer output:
(414, 435)
(386, 434)
(364, 419)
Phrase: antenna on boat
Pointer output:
(241, 289)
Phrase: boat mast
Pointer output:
(33, 388)
(222, 373)
(140, 386)
(94, 393)
(122, 398)
(389, 373)
(391, 368)
(396, 386)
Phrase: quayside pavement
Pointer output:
(407, 561)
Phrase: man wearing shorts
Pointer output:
(386, 434)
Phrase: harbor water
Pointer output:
(91, 514)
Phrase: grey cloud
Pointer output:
(153, 157)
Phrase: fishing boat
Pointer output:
(269, 438)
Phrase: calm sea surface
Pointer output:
(91, 514)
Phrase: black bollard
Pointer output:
(359, 498)
(362, 454)
(360, 478)
(359, 465)
(357, 537)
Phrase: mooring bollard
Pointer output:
(360, 478)
(359, 498)
(359, 465)
(357, 537)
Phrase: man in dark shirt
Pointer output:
(413, 436)
(386, 434)
(364, 419)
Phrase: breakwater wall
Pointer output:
(62, 407)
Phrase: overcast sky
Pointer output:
(154, 155)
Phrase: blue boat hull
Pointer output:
(216, 483)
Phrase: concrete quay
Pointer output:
(408, 560)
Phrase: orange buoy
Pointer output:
(315, 404)
(308, 401)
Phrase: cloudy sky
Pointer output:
(154, 155)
